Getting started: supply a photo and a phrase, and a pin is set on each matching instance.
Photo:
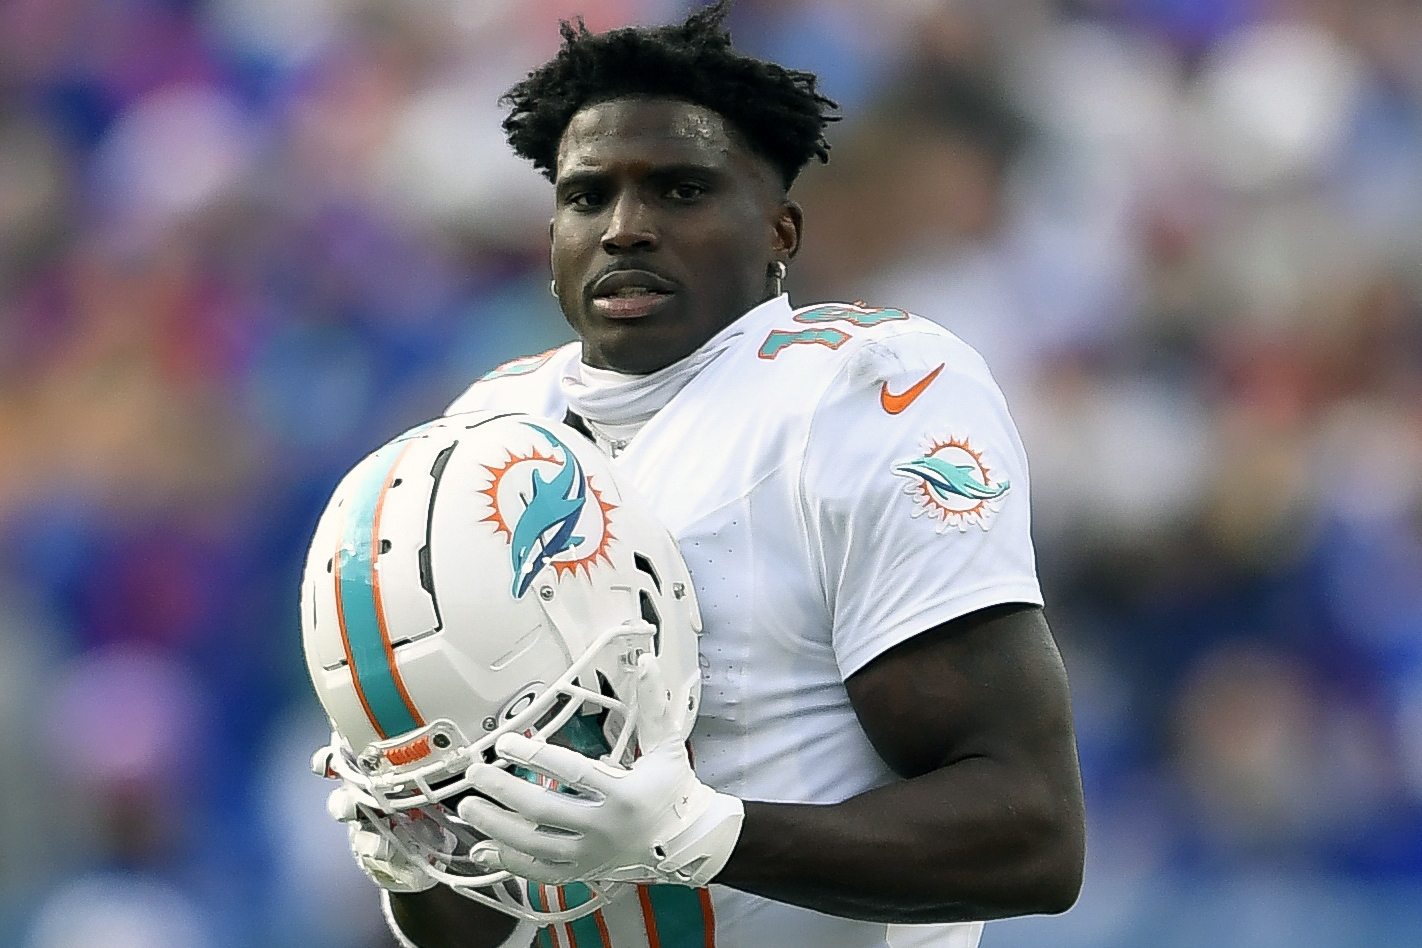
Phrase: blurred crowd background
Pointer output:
(243, 242)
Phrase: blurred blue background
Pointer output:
(242, 242)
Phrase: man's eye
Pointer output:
(584, 199)
(686, 191)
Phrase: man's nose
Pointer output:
(630, 226)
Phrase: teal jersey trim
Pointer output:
(586, 933)
(371, 665)
(680, 920)
(861, 316)
(780, 339)
(535, 899)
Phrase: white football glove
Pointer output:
(375, 851)
(653, 822)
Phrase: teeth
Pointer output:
(630, 291)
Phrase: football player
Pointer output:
(884, 753)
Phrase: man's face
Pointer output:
(664, 231)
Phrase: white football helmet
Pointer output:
(480, 574)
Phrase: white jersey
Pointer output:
(839, 479)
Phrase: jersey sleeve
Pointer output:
(528, 384)
(915, 494)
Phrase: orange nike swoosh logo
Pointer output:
(893, 404)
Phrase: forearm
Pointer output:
(961, 843)
(442, 918)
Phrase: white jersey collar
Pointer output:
(625, 402)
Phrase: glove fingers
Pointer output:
(566, 766)
(516, 835)
(534, 801)
(657, 721)
(537, 870)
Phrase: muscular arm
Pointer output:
(989, 822)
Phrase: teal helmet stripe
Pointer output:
(367, 641)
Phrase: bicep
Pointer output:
(989, 685)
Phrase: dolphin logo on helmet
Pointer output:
(545, 528)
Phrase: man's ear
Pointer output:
(788, 226)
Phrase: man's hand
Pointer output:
(388, 865)
(654, 822)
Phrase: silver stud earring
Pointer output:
(777, 274)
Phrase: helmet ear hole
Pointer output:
(645, 565)
(650, 614)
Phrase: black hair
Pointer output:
(779, 112)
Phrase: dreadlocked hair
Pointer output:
(779, 112)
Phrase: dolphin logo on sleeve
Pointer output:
(952, 484)
(947, 478)
(545, 528)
